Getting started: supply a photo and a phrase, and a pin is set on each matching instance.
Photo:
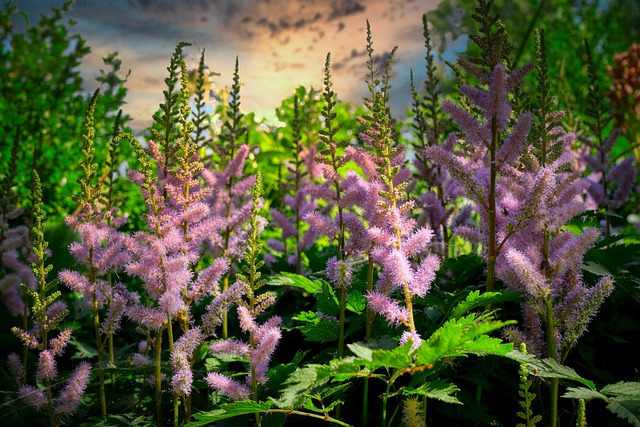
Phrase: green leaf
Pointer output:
(595, 268)
(279, 374)
(548, 368)
(82, 351)
(323, 331)
(456, 336)
(475, 299)
(373, 359)
(485, 345)
(627, 409)
(438, 389)
(327, 301)
(229, 410)
(299, 383)
(306, 317)
(356, 301)
(583, 393)
(298, 281)
(622, 389)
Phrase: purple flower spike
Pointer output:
(230, 388)
(70, 395)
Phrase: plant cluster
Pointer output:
(473, 264)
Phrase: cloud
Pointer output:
(281, 44)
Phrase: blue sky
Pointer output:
(281, 44)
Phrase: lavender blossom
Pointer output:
(230, 388)
(69, 397)
(263, 338)
(492, 152)
(15, 368)
(540, 259)
(46, 366)
(33, 396)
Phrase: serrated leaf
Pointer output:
(280, 373)
(595, 268)
(229, 410)
(456, 335)
(627, 409)
(306, 316)
(82, 351)
(297, 385)
(323, 331)
(327, 301)
(485, 345)
(583, 393)
(622, 389)
(373, 359)
(343, 369)
(356, 302)
(475, 299)
(298, 281)
(437, 389)
(548, 368)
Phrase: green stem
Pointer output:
(112, 360)
(424, 410)
(158, 348)
(384, 404)
(176, 410)
(408, 300)
(551, 353)
(491, 211)
(52, 418)
(96, 324)
(25, 349)
(369, 313)
(325, 417)
(254, 380)
(342, 307)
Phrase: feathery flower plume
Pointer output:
(296, 204)
(492, 147)
(263, 338)
(101, 248)
(69, 398)
(541, 260)
(48, 313)
(394, 239)
(611, 179)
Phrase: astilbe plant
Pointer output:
(263, 337)
(439, 201)
(492, 144)
(48, 312)
(230, 188)
(612, 180)
(391, 232)
(337, 192)
(297, 203)
(167, 256)
(543, 261)
(17, 256)
(100, 251)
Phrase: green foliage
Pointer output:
(622, 398)
(526, 397)
(42, 104)
(298, 281)
(229, 410)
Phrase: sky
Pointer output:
(280, 45)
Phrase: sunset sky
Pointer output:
(280, 44)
